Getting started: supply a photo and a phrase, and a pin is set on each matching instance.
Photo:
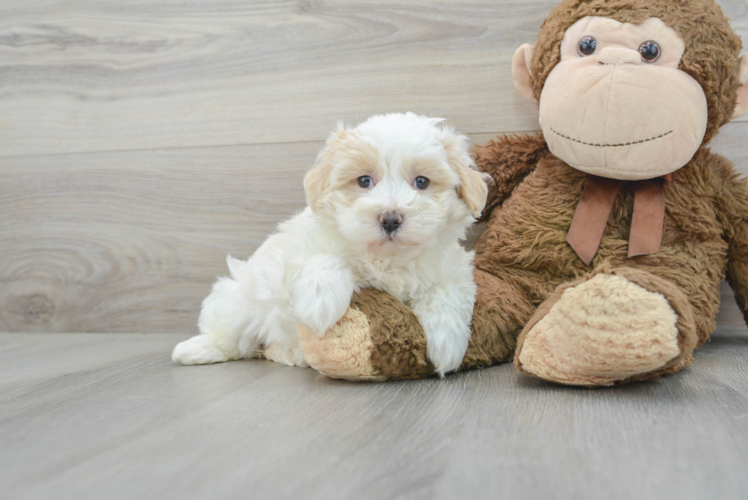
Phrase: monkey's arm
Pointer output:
(733, 206)
(508, 159)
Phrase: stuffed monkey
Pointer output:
(608, 234)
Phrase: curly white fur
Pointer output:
(308, 270)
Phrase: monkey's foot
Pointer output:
(616, 326)
(377, 339)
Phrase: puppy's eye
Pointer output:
(587, 46)
(365, 181)
(421, 183)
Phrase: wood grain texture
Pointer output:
(107, 241)
(91, 416)
(87, 75)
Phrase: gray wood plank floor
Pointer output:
(94, 416)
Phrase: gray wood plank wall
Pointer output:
(140, 142)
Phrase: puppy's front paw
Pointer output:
(322, 293)
(446, 344)
(445, 354)
(319, 313)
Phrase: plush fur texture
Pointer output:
(604, 114)
(379, 338)
(307, 272)
(347, 349)
(619, 325)
(687, 337)
(522, 259)
(524, 265)
(705, 204)
(711, 50)
(606, 328)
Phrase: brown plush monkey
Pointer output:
(608, 235)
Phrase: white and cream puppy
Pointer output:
(388, 203)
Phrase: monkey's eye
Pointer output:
(421, 183)
(587, 46)
(365, 181)
(650, 51)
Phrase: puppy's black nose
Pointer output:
(391, 222)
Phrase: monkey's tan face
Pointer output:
(618, 106)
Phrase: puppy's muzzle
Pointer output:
(391, 222)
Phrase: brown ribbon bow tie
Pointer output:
(593, 211)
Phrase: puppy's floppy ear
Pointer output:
(473, 187)
(317, 180)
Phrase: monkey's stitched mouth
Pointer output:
(611, 145)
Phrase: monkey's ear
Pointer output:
(521, 72)
(742, 106)
(317, 180)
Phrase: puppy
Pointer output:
(388, 202)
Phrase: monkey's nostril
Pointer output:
(391, 222)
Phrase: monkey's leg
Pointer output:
(502, 307)
(614, 326)
(379, 338)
